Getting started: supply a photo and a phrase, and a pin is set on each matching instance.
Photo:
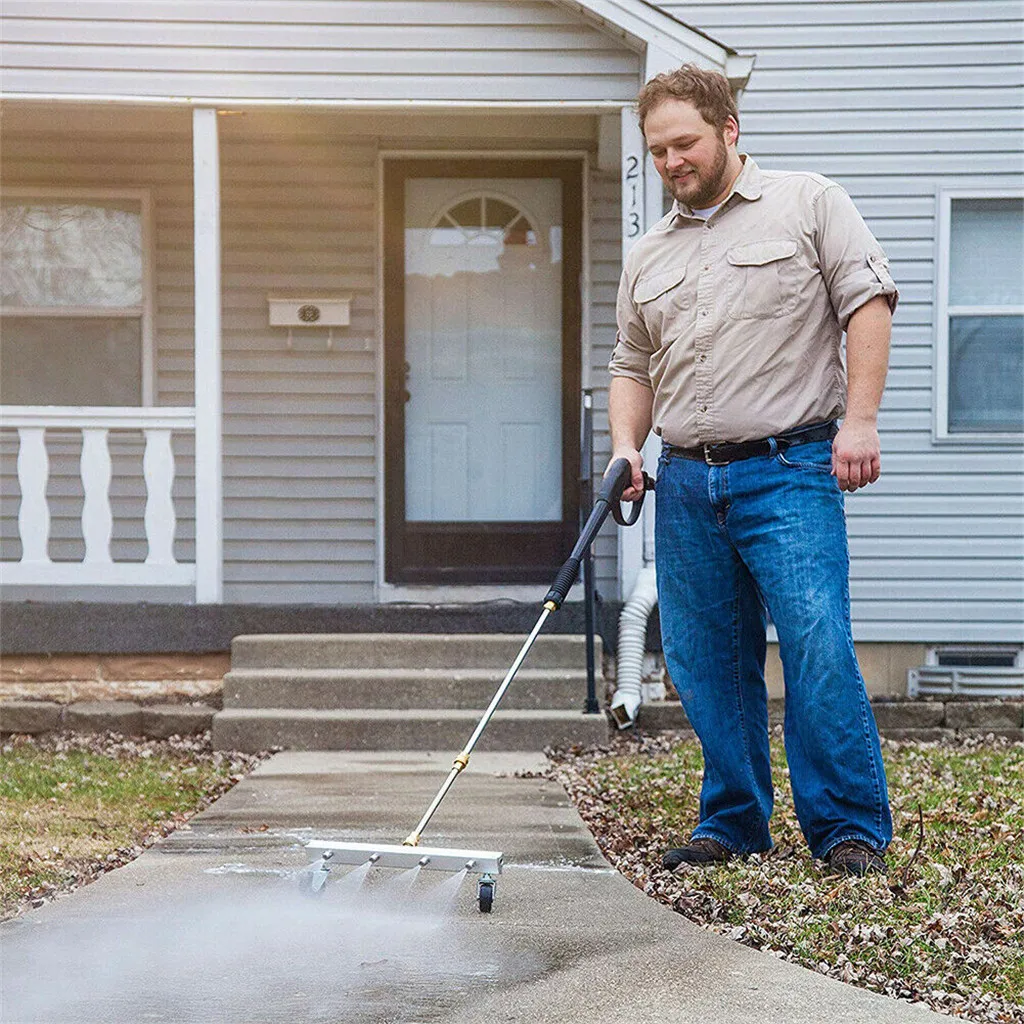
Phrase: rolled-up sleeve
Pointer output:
(631, 356)
(853, 265)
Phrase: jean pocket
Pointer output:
(813, 455)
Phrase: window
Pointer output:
(483, 220)
(74, 296)
(980, 355)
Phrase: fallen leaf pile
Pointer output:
(946, 928)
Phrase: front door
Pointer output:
(482, 341)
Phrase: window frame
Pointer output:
(943, 311)
(145, 312)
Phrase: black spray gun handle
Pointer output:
(616, 480)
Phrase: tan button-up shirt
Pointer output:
(736, 322)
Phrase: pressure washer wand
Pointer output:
(615, 481)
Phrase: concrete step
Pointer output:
(405, 650)
(537, 688)
(253, 729)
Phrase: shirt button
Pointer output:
(703, 408)
(703, 312)
(707, 266)
(703, 358)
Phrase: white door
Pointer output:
(483, 345)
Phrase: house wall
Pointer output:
(313, 49)
(605, 270)
(894, 100)
(298, 194)
(299, 215)
(111, 149)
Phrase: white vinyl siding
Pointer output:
(290, 50)
(896, 99)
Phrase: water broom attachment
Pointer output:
(487, 862)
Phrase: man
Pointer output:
(731, 312)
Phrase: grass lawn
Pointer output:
(946, 928)
(75, 806)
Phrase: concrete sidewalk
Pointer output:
(211, 926)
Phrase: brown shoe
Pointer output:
(702, 850)
(855, 857)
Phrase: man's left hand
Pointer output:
(856, 455)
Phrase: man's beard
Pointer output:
(709, 184)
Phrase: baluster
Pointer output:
(34, 514)
(97, 518)
(158, 468)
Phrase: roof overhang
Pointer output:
(645, 27)
(664, 41)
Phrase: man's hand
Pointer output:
(629, 417)
(856, 454)
(636, 486)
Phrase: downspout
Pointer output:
(629, 657)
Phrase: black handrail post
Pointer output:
(586, 504)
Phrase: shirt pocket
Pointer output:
(661, 298)
(764, 282)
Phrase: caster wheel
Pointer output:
(485, 896)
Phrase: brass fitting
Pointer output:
(551, 606)
(412, 839)
(461, 761)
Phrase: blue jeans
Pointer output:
(732, 541)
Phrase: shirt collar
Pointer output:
(747, 185)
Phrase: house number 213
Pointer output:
(632, 213)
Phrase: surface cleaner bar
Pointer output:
(437, 858)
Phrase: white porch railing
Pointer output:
(98, 568)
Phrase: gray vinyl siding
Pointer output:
(605, 269)
(313, 49)
(299, 214)
(159, 161)
(895, 100)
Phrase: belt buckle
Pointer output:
(709, 458)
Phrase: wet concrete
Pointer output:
(213, 925)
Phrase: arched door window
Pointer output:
(484, 219)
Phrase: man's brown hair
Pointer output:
(708, 91)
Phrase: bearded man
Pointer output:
(731, 312)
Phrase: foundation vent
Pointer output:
(978, 671)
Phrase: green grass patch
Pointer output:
(73, 808)
(944, 928)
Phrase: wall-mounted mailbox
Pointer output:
(318, 311)
(324, 311)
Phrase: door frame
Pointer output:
(395, 169)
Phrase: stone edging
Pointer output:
(897, 720)
(904, 720)
(154, 721)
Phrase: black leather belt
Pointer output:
(724, 453)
